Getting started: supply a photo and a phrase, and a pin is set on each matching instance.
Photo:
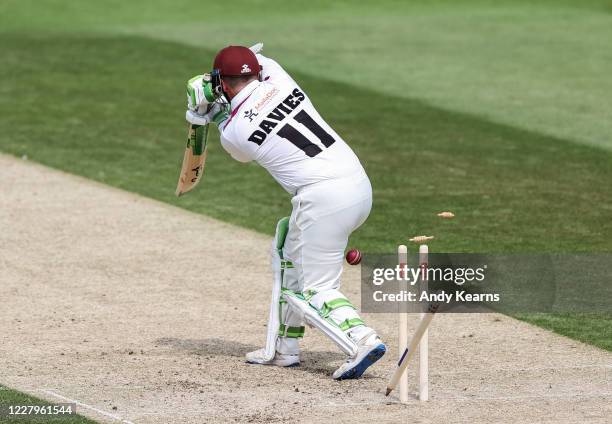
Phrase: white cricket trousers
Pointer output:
(324, 216)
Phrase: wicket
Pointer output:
(421, 336)
(423, 369)
(402, 255)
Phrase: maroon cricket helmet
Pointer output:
(236, 61)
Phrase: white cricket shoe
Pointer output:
(369, 350)
(279, 360)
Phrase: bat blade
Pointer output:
(194, 158)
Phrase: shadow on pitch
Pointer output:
(313, 362)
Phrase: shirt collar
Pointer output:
(244, 93)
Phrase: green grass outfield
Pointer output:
(501, 113)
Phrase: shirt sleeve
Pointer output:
(271, 69)
(233, 149)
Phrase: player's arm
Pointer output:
(271, 68)
(228, 141)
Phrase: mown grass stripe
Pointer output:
(512, 190)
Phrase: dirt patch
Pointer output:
(144, 312)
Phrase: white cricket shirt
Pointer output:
(274, 123)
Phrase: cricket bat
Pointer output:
(193, 159)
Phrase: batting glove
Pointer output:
(217, 113)
(199, 94)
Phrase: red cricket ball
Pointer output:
(353, 257)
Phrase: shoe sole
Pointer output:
(358, 370)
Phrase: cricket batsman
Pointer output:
(263, 115)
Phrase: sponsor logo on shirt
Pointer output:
(266, 98)
(249, 114)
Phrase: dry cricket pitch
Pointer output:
(100, 307)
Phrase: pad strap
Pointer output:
(350, 323)
(330, 305)
(293, 332)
